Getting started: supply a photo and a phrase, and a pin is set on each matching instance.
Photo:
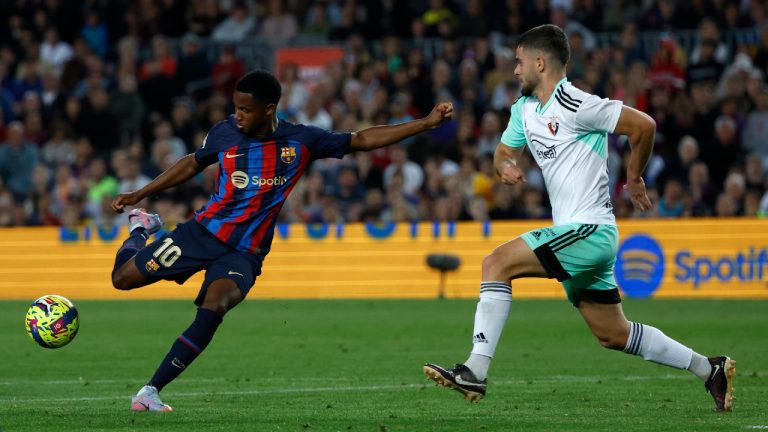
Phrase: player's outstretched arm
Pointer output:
(640, 128)
(181, 171)
(505, 160)
(381, 136)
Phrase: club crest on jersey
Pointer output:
(152, 266)
(553, 125)
(288, 154)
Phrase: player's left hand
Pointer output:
(638, 195)
(441, 112)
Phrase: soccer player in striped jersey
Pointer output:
(260, 160)
(565, 130)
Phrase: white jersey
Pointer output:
(567, 138)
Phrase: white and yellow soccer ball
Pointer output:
(52, 321)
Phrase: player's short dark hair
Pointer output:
(262, 85)
(548, 38)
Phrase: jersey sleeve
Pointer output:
(214, 143)
(597, 114)
(325, 144)
(514, 135)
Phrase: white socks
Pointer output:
(700, 366)
(490, 317)
(653, 345)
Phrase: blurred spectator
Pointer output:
(65, 189)
(54, 52)
(51, 97)
(503, 200)
(761, 56)
(203, 16)
(723, 151)
(411, 173)
(279, 27)
(533, 204)
(473, 22)
(157, 77)
(735, 186)
(99, 186)
(226, 72)
(370, 175)
(560, 18)
(294, 94)
(130, 176)
(95, 33)
(75, 69)
(725, 206)
(490, 134)
(754, 172)
(398, 112)
(667, 65)
(706, 67)
(671, 202)
(665, 15)
(165, 149)
(438, 13)
(59, 149)
(183, 123)
(678, 166)
(756, 127)
(128, 106)
(751, 204)
(709, 34)
(315, 115)
(237, 26)
(18, 158)
(194, 67)
(349, 194)
(318, 22)
(168, 22)
(102, 126)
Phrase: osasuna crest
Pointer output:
(288, 154)
(553, 125)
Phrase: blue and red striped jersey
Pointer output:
(255, 177)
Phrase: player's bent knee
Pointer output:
(612, 342)
(124, 282)
(493, 267)
(119, 281)
(222, 296)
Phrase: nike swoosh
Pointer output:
(461, 381)
(230, 156)
(236, 273)
(717, 369)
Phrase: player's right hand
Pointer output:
(638, 195)
(510, 174)
(124, 199)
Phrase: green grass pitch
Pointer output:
(356, 366)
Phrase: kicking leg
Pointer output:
(221, 296)
(509, 261)
(125, 275)
(614, 331)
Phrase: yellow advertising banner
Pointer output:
(718, 258)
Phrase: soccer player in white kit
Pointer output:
(565, 130)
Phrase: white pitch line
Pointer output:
(86, 381)
(548, 380)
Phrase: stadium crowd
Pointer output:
(98, 97)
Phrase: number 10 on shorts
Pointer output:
(167, 253)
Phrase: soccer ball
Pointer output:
(52, 321)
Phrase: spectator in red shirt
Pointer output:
(227, 71)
